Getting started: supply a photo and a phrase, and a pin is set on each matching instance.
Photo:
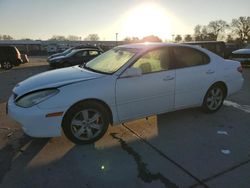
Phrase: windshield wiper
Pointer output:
(90, 69)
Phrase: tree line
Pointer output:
(90, 37)
(238, 31)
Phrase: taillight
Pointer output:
(239, 69)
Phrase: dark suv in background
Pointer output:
(9, 57)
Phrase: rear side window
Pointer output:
(93, 53)
(81, 54)
(8, 50)
(188, 57)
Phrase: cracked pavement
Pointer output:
(177, 149)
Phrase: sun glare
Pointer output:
(147, 19)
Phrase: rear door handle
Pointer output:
(210, 71)
(168, 78)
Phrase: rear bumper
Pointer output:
(235, 85)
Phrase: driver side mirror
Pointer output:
(132, 72)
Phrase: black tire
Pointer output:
(6, 65)
(214, 98)
(76, 113)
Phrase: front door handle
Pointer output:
(210, 71)
(168, 78)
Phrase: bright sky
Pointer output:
(40, 19)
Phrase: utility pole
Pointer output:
(116, 38)
(173, 38)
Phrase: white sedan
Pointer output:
(125, 83)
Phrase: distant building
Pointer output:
(39, 47)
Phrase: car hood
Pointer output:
(55, 55)
(55, 78)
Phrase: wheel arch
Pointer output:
(221, 83)
(105, 105)
(225, 90)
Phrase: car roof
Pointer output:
(204, 42)
(84, 46)
(150, 45)
(7, 46)
(84, 49)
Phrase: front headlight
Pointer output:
(35, 97)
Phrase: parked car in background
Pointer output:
(9, 57)
(25, 58)
(75, 57)
(60, 54)
(242, 55)
(128, 82)
(217, 47)
(70, 50)
(230, 47)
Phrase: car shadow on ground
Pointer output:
(14, 152)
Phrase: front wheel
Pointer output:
(214, 99)
(85, 123)
(6, 65)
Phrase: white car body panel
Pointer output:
(154, 95)
(192, 83)
(127, 98)
(54, 78)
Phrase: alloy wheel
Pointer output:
(214, 98)
(87, 124)
(6, 65)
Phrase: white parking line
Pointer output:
(244, 108)
(222, 132)
(225, 151)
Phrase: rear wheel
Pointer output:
(85, 123)
(214, 98)
(6, 65)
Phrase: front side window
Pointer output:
(112, 60)
(188, 57)
(154, 61)
(81, 54)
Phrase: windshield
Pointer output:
(111, 61)
(72, 52)
(67, 51)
